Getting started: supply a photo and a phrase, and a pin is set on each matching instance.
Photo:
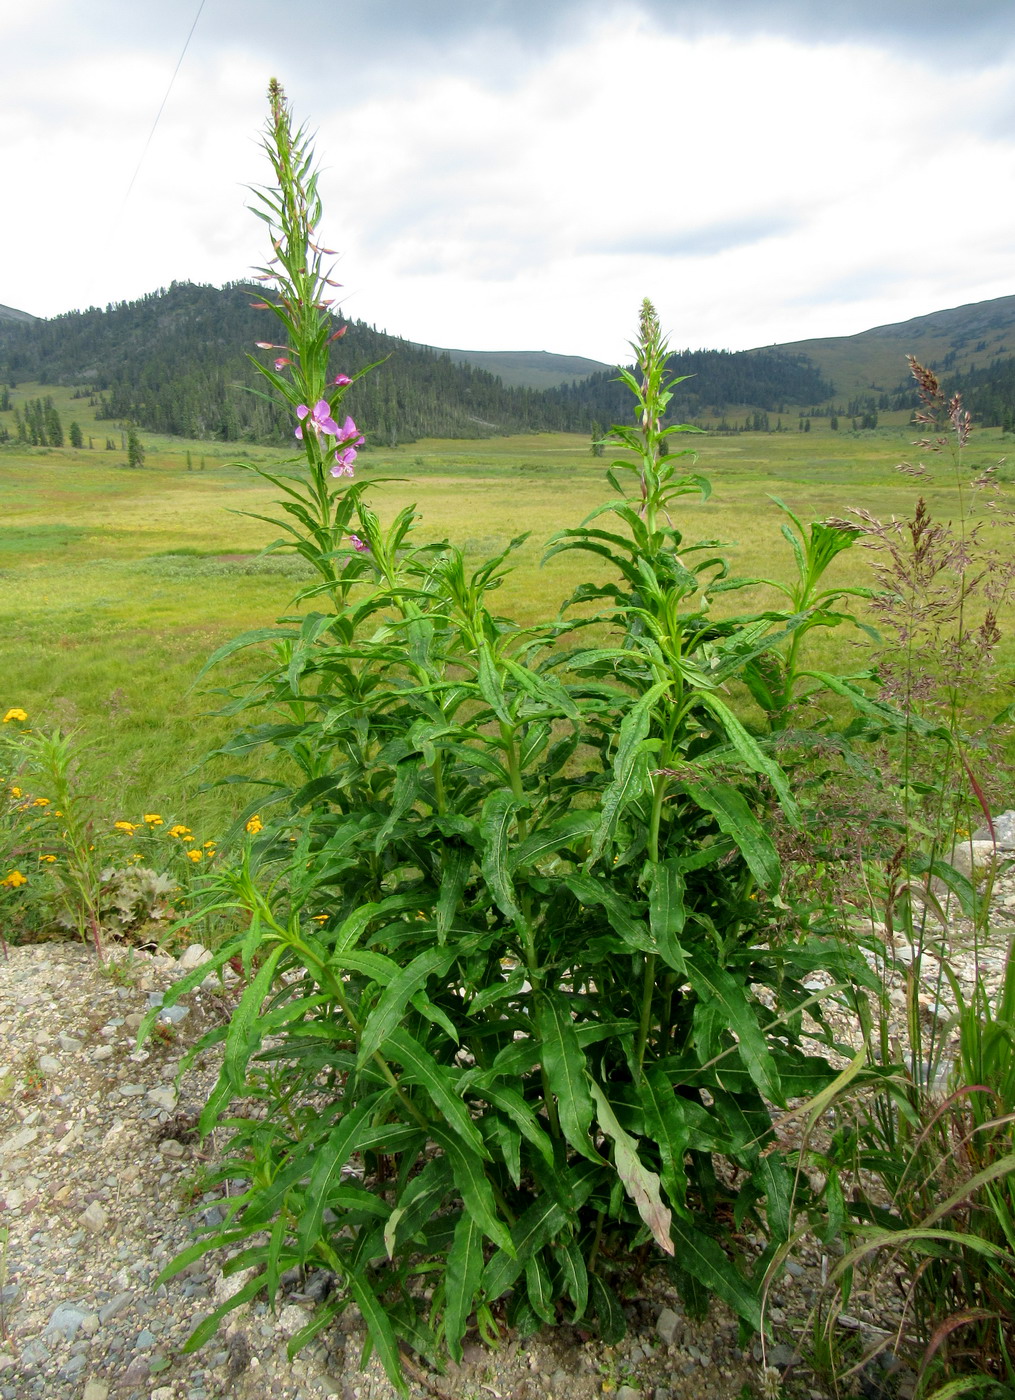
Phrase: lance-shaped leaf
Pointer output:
(389, 1010)
(564, 1065)
(495, 824)
(666, 910)
(331, 1157)
(714, 984)
(702, 1258)
(461, 1282)
(629, 765)
(471, 1180)
(421, 1068)
(751, 752)
(639, 1183)
(736, 819)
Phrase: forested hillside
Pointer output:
(717, 380)
(175, 362)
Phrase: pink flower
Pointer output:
(343, 462)
(320, 419)
(349, 433)
(342, 379)
(359, 545)
(282, 360)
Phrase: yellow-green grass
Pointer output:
(101, 629)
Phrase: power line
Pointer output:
(165, 99)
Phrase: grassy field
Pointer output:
(115, 584)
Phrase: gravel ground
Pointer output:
(100, 1186)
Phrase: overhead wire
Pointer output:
(165, 99)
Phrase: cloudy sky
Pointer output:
(518, 174)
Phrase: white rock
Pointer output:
(970, 856)
(667, 1325)
(17, 1141)
(291, 1319)
(226, 1287)
(95, 1218)
(96, 1390)
(163, 1097)
(193, 957)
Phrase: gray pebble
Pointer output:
(35, 1353)
(668, 1325)
(74, 1367)
(145, 1340)
(65, 1321)
(113, 1308)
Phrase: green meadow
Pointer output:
(116, 584)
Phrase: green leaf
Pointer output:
(461, 1282)
(666, 910)
(329, 1159)
(589, 889)
(537, 1226)
(736, 819)
(421, 1068)
(639, 1183)
(421, 1199)
(564, 1067)
(471, 1180)
(666, 1123)
(381, 1332)
(714, 984)
(612, 1323)
(456, 865)
(629, 765)
(208, 1326)
(244, 1035)
(574, 1276)
(702, 1258)
(390, 1008)
(537, 1285)
(558, 835)
(751, 752)
(497, 991)
(496, 822)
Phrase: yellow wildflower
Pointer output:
(57, 814)
(255, 824)
(128, 827)
(153, 819)
(50, 860)
(194, 855)
(41, 802)
(14, 879)
(178, 830)
(15, 714)
(15, 792)
(209, 845)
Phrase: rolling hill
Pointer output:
(958, 341)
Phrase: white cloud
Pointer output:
(759, 188)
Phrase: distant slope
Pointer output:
(956, 341)
(176, 362)
(528, 369)
(8, 313)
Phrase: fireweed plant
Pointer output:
(524, 1006)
